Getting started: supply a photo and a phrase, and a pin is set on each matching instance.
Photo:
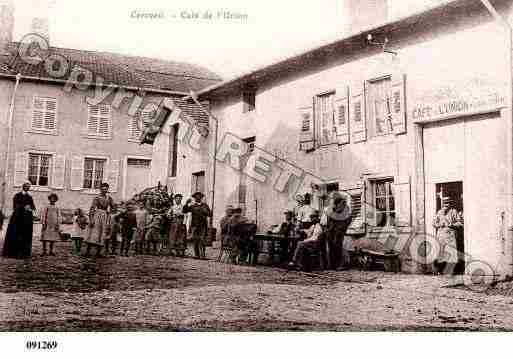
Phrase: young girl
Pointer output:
(50, 219)
(79, 231)
(141, 217)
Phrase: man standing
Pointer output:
(337, 218)
(304, 213)
(199, 224)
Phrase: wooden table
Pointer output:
(274, 239)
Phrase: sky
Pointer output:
(269, 30)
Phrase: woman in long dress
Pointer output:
(99, 220)
(18, 239)
(446, 223)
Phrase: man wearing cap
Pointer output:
(236, 237)
(304, 212)
(312, 241)
(199, 224)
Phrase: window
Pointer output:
(44, 115)
(140, 123)
(248, 101)
(198, 182)
(174, 150)
(251, 143)
(384, 203)
(325, 118)
(99, 121)
(39, 169)
(379, 106)
(94, 170)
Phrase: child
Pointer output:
(128, 224)
(50, 219)
(153, 235)
(141, 217)
(79, 229)
(115, 235)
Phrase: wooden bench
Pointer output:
(369, 259)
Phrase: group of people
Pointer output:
(144, 226)
(304, 229)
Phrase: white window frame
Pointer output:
(373, 182)
(142, 117)
(52, 155)
(105, 170)
(318, 118)
(44, 130)
(98, 135)
(370, 118)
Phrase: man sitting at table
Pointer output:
(312, 241)
(238, 241)
(287, 230)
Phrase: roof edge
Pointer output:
(303, 53)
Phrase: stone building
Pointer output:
(63, 138)
(417, 111)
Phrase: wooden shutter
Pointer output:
(38, 113)
(113, 175)
(58, 170)
(77, 173)
(357, 116)
(306, 135)
(369, 206)
(357, 210)
(20, 168)
(402, 199)
(342, 117)
(104, 129)
(398, 104)
(50, 114)
(93, 119)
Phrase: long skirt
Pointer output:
(18, 239)
(100, 231)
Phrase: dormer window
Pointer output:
(248, 100)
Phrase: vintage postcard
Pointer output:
(233, 166)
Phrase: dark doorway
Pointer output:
(454, 190)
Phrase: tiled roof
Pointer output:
(122, 70)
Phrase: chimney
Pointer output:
(41, 27)
(6, 25)
(364, 14)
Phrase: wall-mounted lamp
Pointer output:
(371, 41)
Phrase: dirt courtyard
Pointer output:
(149, 293)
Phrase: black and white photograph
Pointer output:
(335, 166)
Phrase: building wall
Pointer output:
(71, 138)
(441, 62)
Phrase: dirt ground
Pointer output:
(149, 293)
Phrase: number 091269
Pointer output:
(41, 345)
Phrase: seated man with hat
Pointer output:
(199, 224)
(311, 242)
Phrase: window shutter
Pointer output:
(402, 199)
(51, 114)
(357, 115)
(77, 173)
(38, 113)
(113, 175)
(306, 135)
(93, 119)
(342, 117)
(59, 168)
(369, 210)
(20, 168)
(357, 211)
(398, 104)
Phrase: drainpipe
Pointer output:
(509, 127)
(9, 140)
